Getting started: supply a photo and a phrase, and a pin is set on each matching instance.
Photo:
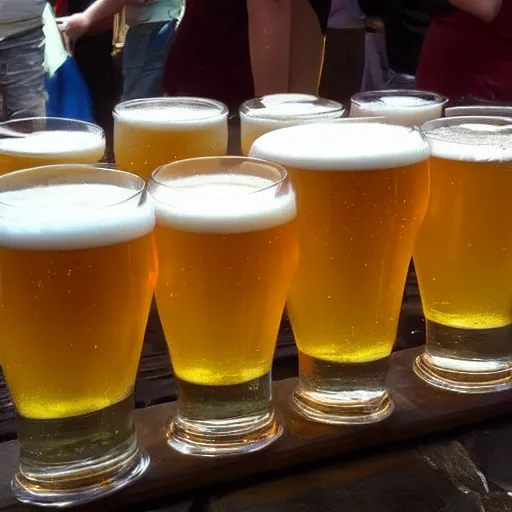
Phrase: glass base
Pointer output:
(224, 420)
(342, 393)
(71, 461)
(466, 360)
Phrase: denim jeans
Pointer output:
(144, 56)
(23, 75)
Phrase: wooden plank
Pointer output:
(420, 410)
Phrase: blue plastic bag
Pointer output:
(68, 93)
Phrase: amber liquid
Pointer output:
(463, 256)
(220, 299)
(141, 149)
(356, 235)
(73, 324)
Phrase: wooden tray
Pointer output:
(420, 410)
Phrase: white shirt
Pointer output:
(345, 14)
(18, 16)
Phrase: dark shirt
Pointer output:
(210, 55)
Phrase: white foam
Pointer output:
(408, 110)
(222, 203)
(343, 146)
(163, 116)
(54, 142)
(472, 142)
(280, 110)
(72, 216)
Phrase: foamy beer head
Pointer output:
(482, 139)
(343, 146)
(227, 247)
(262, 115)
(362, 191)
(50, 141)
(152, 132)
(244, 195)
(78, 275)
(403, 107)
(71, 207)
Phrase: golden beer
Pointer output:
(227, 248)
(362, 191)
(153, 132)
(404, 107)
(77, 277)
(463, 253)
(50, 141)
(268, 113)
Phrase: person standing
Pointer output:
(344, 52)
(152, 26)
(22, 70)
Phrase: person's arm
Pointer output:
(269, 44)
(77, 25)
(486, 10)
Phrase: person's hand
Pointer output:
(74, 26)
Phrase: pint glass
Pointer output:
(409, 108)
(262, 115)
(77, 275)
(50, 141)
(149, 133)
(227, 247)
(463, 256)
(362, 191)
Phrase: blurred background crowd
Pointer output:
(78, 58)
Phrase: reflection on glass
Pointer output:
(463, 256)
(77, 277)
(49, 141)
(409, 108)
(153, 132)
(227, 248)
(262, 115)
(361, 195)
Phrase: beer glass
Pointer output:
(362, 191)
(479, 110)
(227, 246)
(262, 115)
(409, 108)
(77, 275)
(463, 256)
(49, 141)
(149, 133)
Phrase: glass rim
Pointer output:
(95, 127)
(476, 108)
(99, 167)
(172, 100)
(247, 107)
(436, 98)
(228, 158)
(434, 124)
